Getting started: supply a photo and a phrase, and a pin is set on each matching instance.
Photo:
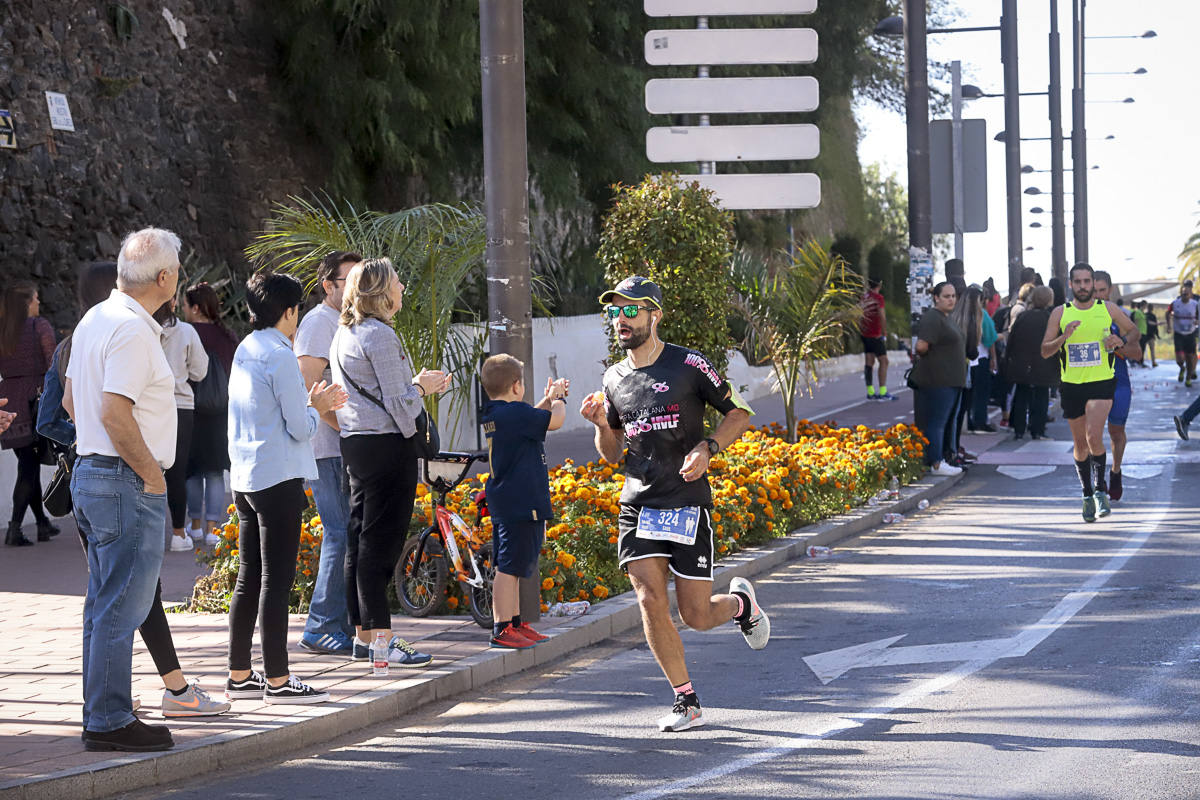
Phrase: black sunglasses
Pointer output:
(630, 311)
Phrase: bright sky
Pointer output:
(1142, 201)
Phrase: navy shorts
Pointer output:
(1122, 397)
(517, 545)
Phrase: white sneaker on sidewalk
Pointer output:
(211, 539)
(945, 469)
(181, 544)
(196, 534)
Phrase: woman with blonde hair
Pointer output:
(378, 427)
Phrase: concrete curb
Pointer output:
(130, 772)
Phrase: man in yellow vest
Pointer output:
(1080, 333)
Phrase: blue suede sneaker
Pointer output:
(332, 644)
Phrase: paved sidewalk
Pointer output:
(41, 755)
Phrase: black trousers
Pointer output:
(27, 491)
(382, 470)
(268, 540)
(177, 475)
(1032, 402)
(156, 635)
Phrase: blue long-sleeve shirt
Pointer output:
(270, 421)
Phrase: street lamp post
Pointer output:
(1012, 146)
(916, 106)
(1058, 240)
(1079, 135)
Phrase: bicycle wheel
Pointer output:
(479, 601)
(421, 587)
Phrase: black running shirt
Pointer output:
(660, 409)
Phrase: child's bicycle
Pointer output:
(426, 560)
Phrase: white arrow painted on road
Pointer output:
(834, 664)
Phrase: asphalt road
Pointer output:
(1066, 666)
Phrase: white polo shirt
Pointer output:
(117, 348)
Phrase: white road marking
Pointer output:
(1023, 473)
(1028, 638)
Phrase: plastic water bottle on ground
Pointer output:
(379, 656)
(924, 504)
(575, 609)
(891, 517)
(817, 551)
(894, 489)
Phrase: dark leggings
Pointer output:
(177, 475)
(382, 469)
(156, 635)
(268, 540)
(27, 491)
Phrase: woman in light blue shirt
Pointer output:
(271, 421)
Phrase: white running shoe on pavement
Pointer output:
(195, 533)
(211, 539)
(181, 544)
(684, 714)
(757, 627)
(945, 469)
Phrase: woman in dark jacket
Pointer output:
(1031, 375)
(26, 347)
(939, 374)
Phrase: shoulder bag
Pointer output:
(57, 497)
(428, 442)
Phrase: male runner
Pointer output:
(872, 328)
(1186, 310)
(654, 401)
(1080, 332)
(1122, 393)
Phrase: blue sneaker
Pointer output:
(403, 654)
(331, 644)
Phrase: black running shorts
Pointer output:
(1185, 343)
(694, 561)
(1075, 396)
(875, 345)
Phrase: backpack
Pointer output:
(212, 391)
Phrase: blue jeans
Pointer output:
(1192, 411)
(981, 392)
(206, 498)
(327, 612)
(123, 525)
(934, 407)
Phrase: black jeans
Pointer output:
(951, 438)
(27, 491)
(268, 540)
(1031, 401)
(382, 469)
(177, 475)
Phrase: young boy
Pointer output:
(518, 489)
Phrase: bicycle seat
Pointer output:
(450, 469)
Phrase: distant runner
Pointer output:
(654, 401)
(872, 328)
(1184, 312)
(1122, 393)
(1080, 332)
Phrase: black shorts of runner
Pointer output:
(875, 345)
(694, 561)
(1185, 343)
(1075, 396)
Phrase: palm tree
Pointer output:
(1191, 258)
(438, 253)
(797, 314)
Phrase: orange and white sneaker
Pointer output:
(684, 714)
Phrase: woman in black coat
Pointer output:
(1031, 375)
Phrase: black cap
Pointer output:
(1188, 282)
(635, 287)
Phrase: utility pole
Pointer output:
(956, 155)
(916, 104)
(506, 200)
(1058, 230)
(1079, 135)
(1012, 142)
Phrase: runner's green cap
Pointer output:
(635, 287)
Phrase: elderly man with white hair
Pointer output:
(120, 392)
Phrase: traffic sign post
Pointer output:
(761, 191)
(731, 95)
(726, 8)
(733, 143)
(731, 46)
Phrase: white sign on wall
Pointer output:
(60, 112)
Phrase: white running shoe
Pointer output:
(211, 539)
(756, 628)
(684, 714)
(945, 469)
(181, 544)
(196, 534)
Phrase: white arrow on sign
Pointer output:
(835, 663)
(731, 46)
(733, 143)
(732, 95)
(762, 191)
(716, 8)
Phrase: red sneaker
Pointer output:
(511, 639)
(526, 630)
